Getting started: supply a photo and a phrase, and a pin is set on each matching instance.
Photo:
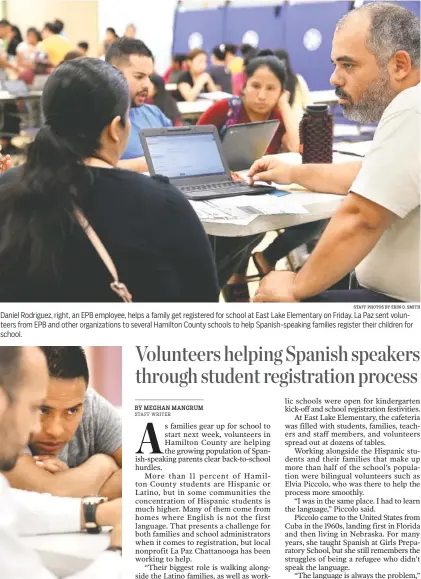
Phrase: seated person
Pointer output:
(233, 62)
(130, 31)
(134, 59)
(53, 44)
(72, 55)
(221, 76)
(23, 387)
(77, 451)
(163, 100)
(26, 51)
(263, 98)
(195, 80)
(83, 47)
(239, 78)
(376, 230)
(111, 36)
(149, 229)
(178, 66)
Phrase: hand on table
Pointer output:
(204, 78)
(50, 463)
(269, 169)
(278, 286)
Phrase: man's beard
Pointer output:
(135, 104)
(372, 103)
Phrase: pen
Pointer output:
(347, 153)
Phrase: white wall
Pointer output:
(80, 17)
(153, 20)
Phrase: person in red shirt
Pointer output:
(178, 66)
(263, 98)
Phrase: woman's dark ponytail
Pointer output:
(37, 212)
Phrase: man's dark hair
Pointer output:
(245, 49)
(52, 27)
(120, 51)
(179, 58)
(66, 362)
(231, 49)
(4, 22)
(59, 24)
(219, 52)
(10, 357)
(83, 45)
(392, 28)
(72, 55)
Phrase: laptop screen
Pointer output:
(15, 87)
(179, 156)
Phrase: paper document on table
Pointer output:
(210, 211)
(272, 204)
(215, 96)
(244, 208)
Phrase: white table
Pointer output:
(359, 148)
(68, 553)
(194, 108)
(7, 97)
(319, 206)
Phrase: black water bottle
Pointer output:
(316, 135)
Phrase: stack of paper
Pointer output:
(243, 209)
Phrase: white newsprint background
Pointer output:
(260, 442)
(273, 454)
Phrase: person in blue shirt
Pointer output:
(134, 59)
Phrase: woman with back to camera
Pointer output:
(149, 229)
(195, 80)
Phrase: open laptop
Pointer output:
(192, 159)
(243, 144)
(16, 88)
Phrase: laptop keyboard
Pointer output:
(222, 189)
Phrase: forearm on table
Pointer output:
(326, 178)
(190, 93)
(86, 479)
(347, 240)
(43, 514)
(112, 488)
